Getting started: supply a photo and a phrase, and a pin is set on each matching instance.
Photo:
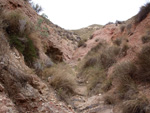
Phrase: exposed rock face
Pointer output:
(20, 90)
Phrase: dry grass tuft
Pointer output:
(82, 43)
(90, 62)
(118, 41)
(145, 39)
(122, 28)
(107, 84)
(96, 76)
(17, 24)
(143, 62)
(138, 105)
(109, 99)
(62, 79)
(123, 74)
(108, 56)
(99, 46)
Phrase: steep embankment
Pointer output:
(115, 63)
(105, 33)
(28, 44)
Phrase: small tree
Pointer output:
(37, 8)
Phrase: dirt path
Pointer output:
(82, 103)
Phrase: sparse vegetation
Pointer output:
(140, 104)
(82, 43)
(122, 28)
(143, 62)
(109, 99)
(95, 67)
(124, 49)
(106, 86)
(91, 37)
(96, 40)
(42, 29)
(108, 56)
(129, 26)
(118, 41)
(145, 39)
(18, 28)
(123, 74)
(27, 0)
(44, 16)
(98, 46)
(90, 62)
(95, 75)
(17, 24)
(105, 69)
(142, 13)
(86, 33)
(30, 52)
(62, 79)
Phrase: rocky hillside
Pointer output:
(28, 44)
(86, 33)
(115, 63)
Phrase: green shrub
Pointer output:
(30, 52)
(15, 42)
(24, 46)
(40, 21)
(142, 13)
(18, 29)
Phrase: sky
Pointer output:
(75, 14)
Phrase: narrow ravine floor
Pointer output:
(82, 103)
